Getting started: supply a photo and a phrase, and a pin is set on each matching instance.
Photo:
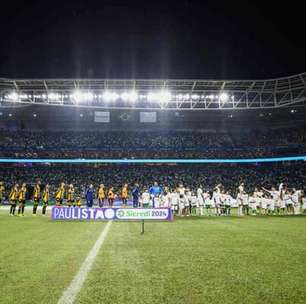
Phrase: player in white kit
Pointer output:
(227, 203)
(274, 199)
(296, 199)
(165, 199)
(240, 199)
(304, 201)
(145, 199)
(174, 199)
(253, 201)
(194, 204)
(288, 202)
(182, 198)
(200, 208)
(188, 205)
(208, 203)
(217, 199)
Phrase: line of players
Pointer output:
(185, 202)
(181, 200)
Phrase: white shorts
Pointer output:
(282, 204)
(272, 206)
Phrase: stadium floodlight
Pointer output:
(131, 96)
(79, 96)
(110, 96)
(223, 97)
(13, 96)
(179, 96)
(53, 97)
(195, 96)
(161, 96)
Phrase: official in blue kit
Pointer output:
(155, 192)
(136, 194)
(89, 196)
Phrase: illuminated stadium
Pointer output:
(152, 152)
(212, 148)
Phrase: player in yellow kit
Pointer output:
(13, 199)
(22, 199)
(101, 195)
(2, 189)
(45, 199)
(124, 194)
(36, 197)
(70, 196)
(111, 196)
(78, 202)
(59, 195)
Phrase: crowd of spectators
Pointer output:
(191, 175)
(152, 144)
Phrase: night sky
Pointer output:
(152, 39)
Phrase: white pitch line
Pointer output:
(75, 286)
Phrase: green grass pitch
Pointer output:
(190, 260)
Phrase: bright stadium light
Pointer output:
(223, 97)
(165, 96)
(131, 96)
(53, 96)
(161, 96)
(79, 96)
(195, 96)
(13, 96)
(110, 96)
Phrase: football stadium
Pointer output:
(152, 152)
(168, 191)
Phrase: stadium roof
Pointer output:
(185, 94)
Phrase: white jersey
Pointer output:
(165, 200)
(200, 197)
(275, 195)
(145, 197)
(194, 201)
(216, 198)
(295, 197)
(245, 199)
(174, 198)
(181, 191)
(264, 203)
(188, 198)
(207, 200)
(304, 203)
(228, 200)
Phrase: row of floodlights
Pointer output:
(79, 96)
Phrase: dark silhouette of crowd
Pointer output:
(152, 144)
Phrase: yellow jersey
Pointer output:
(124, 192)
(36, 192)
(70, 195)
(45, 196)
(101, 193)
(13, 194)
(22, 194)
(1, 191)
(60, 193)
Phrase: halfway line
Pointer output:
(75, 286)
